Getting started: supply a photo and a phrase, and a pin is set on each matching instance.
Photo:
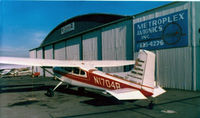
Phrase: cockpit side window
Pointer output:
(82, 72)
(76, 70)
(68, 69)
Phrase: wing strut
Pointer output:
(56, 77)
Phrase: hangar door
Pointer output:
(59, 51)
(48, 54)
(40, 56)
(114, 44)
(32, 54)
(90, 46)
(73, 48)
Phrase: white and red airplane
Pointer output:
(139, 83)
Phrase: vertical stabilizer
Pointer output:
(144, 69)
(143, 73)
(149, 73)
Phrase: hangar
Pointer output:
(171, 31)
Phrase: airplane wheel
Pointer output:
(50, 92)
(81, 90)
(151, 104)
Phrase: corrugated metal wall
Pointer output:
(114, 44)
(196, 44)
(73, 48)
(48, 54)
(89, 42)
(40, 56)
(198, 68)
(59, 51)
(33, 54)
(174, 66)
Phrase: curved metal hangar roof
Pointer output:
(78, 25)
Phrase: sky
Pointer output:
(25, 24)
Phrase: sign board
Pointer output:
(162, 32)
(68, 28)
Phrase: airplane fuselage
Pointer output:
(93, 78)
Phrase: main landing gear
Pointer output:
(50, 91)
(81, 90)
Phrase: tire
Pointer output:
(50, 92)
(81, 90)
(151, 105)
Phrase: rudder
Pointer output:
(144, 69)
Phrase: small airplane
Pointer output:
(139, 83)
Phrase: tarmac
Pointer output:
(23, 97)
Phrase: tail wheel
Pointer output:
(151, 104)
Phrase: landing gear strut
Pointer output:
(50, 91)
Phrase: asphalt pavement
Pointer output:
(23, 97)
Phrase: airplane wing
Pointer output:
(64, 63)
(126, 94)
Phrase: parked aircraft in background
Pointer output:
(15, 72)
(139, 83)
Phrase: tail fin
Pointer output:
(144, 69)
(143, 73)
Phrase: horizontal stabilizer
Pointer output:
(126, 94)
(158, 91)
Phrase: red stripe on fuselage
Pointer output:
(129, 81)
(102, 82)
